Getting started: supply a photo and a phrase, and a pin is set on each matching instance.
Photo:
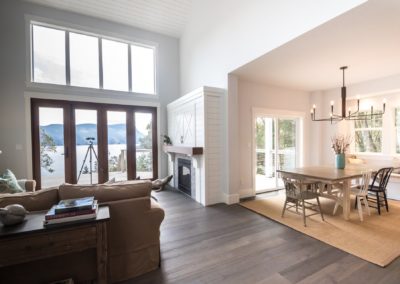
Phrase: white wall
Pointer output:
(14, 113)
(370, 92)
(226, 34)
(254, 95)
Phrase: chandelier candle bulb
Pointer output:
(356, 115)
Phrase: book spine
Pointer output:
(77, 218)
(71, 209)
(69, 214)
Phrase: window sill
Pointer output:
(370, 154)
(33, 86)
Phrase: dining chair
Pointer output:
(377, 189)
(298, 193)
(361, 192)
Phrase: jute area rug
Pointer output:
(376, 239)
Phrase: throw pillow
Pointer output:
(3, 186)
(9, 178)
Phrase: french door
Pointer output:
(276, 147)
(88, 143)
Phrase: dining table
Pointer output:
(328, 176)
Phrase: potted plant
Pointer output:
(166, 139)
(340, 144)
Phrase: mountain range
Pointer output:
(116, 133)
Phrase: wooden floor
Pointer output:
(230, 244)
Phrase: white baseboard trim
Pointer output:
(246, 192)
(231, 198)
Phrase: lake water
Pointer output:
(58, 157)
(57, 176)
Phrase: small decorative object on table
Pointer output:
(12, 214)
(340, 144)
(166, 139)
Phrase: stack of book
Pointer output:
(72, 210)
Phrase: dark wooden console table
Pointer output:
(32, 241)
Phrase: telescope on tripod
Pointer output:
(90, 153)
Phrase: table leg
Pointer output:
(102, 253)
(346, 199)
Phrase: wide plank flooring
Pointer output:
(230, 244)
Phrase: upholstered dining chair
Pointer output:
(377, 189)
(298, 193)
(361, 192)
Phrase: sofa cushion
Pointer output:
(107, 192)
(32, 201)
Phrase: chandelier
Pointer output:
(356, 115)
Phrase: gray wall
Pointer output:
(14, 111)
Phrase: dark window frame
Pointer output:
(69, 108)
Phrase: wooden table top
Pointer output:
(328, 173)
(33, 223)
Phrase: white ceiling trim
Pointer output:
(168, 17)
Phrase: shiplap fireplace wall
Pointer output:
(196, 120)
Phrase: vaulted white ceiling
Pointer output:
(367, 39)
(168, 17)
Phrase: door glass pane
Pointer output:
(117, 155)
(52, 165)
(84, 58)
(144, 142)
(142, 69)
(265, 152)
(86, 146)
(115, 65)
(48, 55)
(286, 145)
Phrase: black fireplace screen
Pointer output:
(184, 176)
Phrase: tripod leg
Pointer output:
(90, 164)
(95, 154)
(83, 164)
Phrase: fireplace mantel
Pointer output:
(184, 150)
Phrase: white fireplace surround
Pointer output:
(195, 172)
(197, 120)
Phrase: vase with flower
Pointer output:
(340, 144)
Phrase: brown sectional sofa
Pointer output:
(133, 232)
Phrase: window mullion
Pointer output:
(129, 68)
(100, 64)
(67, 60)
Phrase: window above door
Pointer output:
(70, 58)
